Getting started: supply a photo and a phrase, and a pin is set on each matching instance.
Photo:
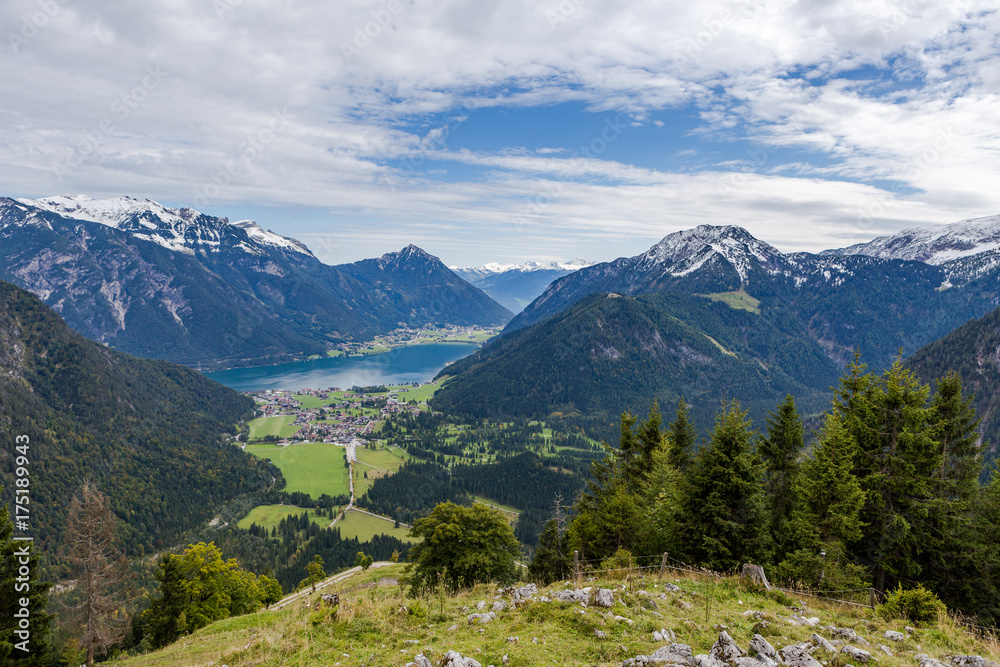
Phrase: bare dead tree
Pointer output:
(94, 553)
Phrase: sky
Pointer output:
(511, 130)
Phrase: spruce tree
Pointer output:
(551, 560)
(683, 438)
(12, 591)
(780, 451)
(958, 435)
(723, 514)
(897, 461)
(828, 500)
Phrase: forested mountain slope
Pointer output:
(148, 434)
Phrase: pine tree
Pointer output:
(780, 451)
(101, 569)
(958, 436)
(683, 438)
(723, 514)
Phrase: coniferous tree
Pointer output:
(780, 451)
(828, 501)
(551, 561)
(897, 461)
(99, 565)
(958, 436)
(14, 649)
(723, 513)
(683, 438)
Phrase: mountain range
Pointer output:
(199, 290)
(514, 286)
(714, 313)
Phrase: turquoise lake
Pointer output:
(415, 363)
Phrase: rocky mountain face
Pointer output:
(195, 289)
(516, 285)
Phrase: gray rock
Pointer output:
(706, 661)
(526, 591)
(481, 605)
(818, 640)
(925, 660)
(600, 634)
(910, 630)
(512, 640)
(885, 649)
(894, 636)
(860, 655)
(420, 661)
(725, 650)
(605, 598)
(453, 628)
(971, 661)
(622, 619)
(663, 635)
(763, 649)
(671, 588)
(685, 605)
(849, 634)
(797, 655)
(755, 662)
(571, 596)
(499, 605)
(482, 618)
(455, 659)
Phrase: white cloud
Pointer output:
(361, 126)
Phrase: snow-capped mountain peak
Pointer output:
(492, 268)
(684, 252)
(935, 244)
(183, 230)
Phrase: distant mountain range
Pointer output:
(766, 323)
(516, 285)
(199, 290)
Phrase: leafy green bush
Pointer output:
(918, 605)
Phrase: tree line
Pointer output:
(888, 494)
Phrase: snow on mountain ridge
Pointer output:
(180, 230)
(684, 252)
(524, 267)
(935, 244)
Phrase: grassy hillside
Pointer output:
(376, 624)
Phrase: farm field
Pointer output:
(269, 516)
(506, 509)
(313, 468)
(419, 394)
(385, 459)
(280, 426)
(365, 526)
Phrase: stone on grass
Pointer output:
(894, 636)
(860, 655)
(796, 655)
(925, 660)
(972, 661)
(420, 661)
(482, 618)
(725, 650)
(763, 649)
(818, 640)
(455, 659)
(605, 598)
